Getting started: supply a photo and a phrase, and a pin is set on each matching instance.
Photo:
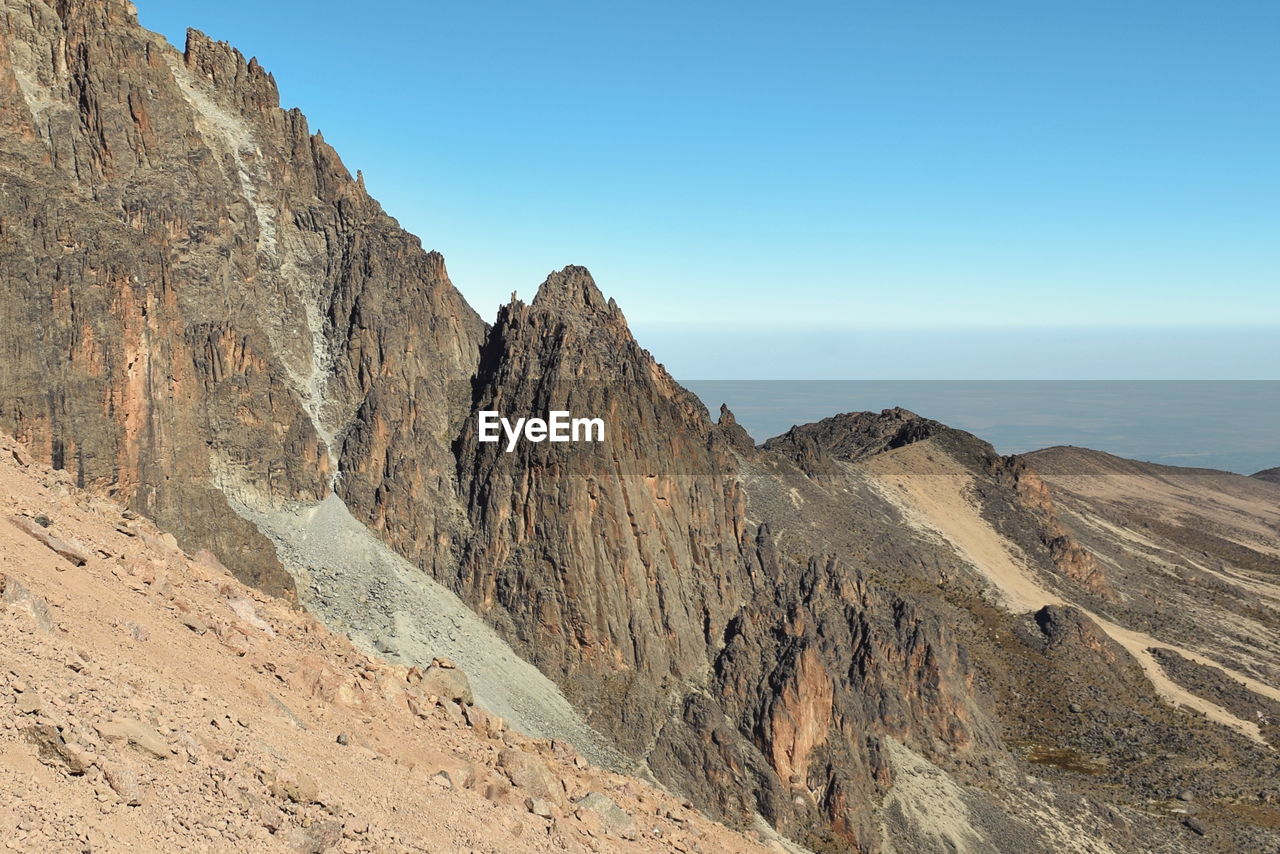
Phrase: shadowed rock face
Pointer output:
(616, 564)
(217, 315)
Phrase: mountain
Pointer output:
(873, 633)
(196, 267)
(150, 701)
(1269, 475)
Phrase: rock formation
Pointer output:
(862, 631)
(195, 267)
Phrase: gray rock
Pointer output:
(15, 595)
(613, 818)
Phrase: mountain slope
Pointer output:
(148, 701)
(874, 633)
(1269, 475)
(1196, 551)
(202, 267)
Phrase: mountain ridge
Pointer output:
(837, 630)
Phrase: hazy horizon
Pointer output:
(1178, 423)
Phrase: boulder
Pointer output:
(533, 777)
(53, 750)
(539, 807)
(595, 807)
(18, 597)
(123, 782)
(447, 683)
(134, 733)
(68, 549)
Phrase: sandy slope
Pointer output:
(1244, 510)
(149, 702)
(941, 502)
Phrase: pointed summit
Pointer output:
(729, 427)
(572, 290)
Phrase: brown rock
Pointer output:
(53, 750)
(194, 623)
(486, 725)
(539, 807)
(136, 734)
(497, 788)
(532, 776)
(458, 772)
(123, 782)
(68, 549)
(28, 703)
(295, 787)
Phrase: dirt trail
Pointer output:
(942, 504)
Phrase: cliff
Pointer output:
(870, 633)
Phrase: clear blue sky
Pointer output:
(860, 164)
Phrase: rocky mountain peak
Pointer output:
(735, 433)
(574, 291)
(853, 436)
(220, 326)
(226, 68)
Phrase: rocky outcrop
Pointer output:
(197, 266)
(221, 325)
(854, 436)
(817, 671)
(1072, 560)
(615, 564)
(1016, 498)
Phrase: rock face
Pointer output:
(630, 569)
(222, 323)
(616, 564)
(196, 267)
